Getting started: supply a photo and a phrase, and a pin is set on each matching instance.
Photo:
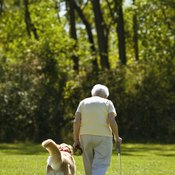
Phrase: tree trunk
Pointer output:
(102, 34)
(1, 6)
(120, 31)
(135, 36)
(89, 34)
(29, 25)
(73, 33)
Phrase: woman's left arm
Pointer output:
(114, 126)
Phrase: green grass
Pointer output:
(137, 159)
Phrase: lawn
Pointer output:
(137, 159)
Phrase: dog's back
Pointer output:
(60, 161)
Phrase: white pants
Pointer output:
(97, 152)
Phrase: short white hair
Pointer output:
(100, 90)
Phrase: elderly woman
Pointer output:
(93, 127)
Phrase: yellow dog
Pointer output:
(60, 161)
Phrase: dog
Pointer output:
(61, 160)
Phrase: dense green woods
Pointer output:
(52, 53)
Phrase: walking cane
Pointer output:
(119, 159)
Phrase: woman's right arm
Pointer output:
(76, 128)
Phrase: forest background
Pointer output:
(52, 52)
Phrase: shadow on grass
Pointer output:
(147, 149)
(22, 148)
(126, 149)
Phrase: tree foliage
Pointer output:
(49, 61)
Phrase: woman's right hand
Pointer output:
(76, 143)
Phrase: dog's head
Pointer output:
(65, 147)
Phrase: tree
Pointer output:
(73, 33)
(102, 34)
(39, 88)
(89, 34)
(120, 31)
(135, 36)
(156, 30)
(29, 25)
(33, 73)
(1, 6)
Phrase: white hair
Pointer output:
(100, 90)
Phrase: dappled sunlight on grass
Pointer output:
(145, 159)
(147, 149)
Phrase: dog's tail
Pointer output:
(55, 158)
(51, 147)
